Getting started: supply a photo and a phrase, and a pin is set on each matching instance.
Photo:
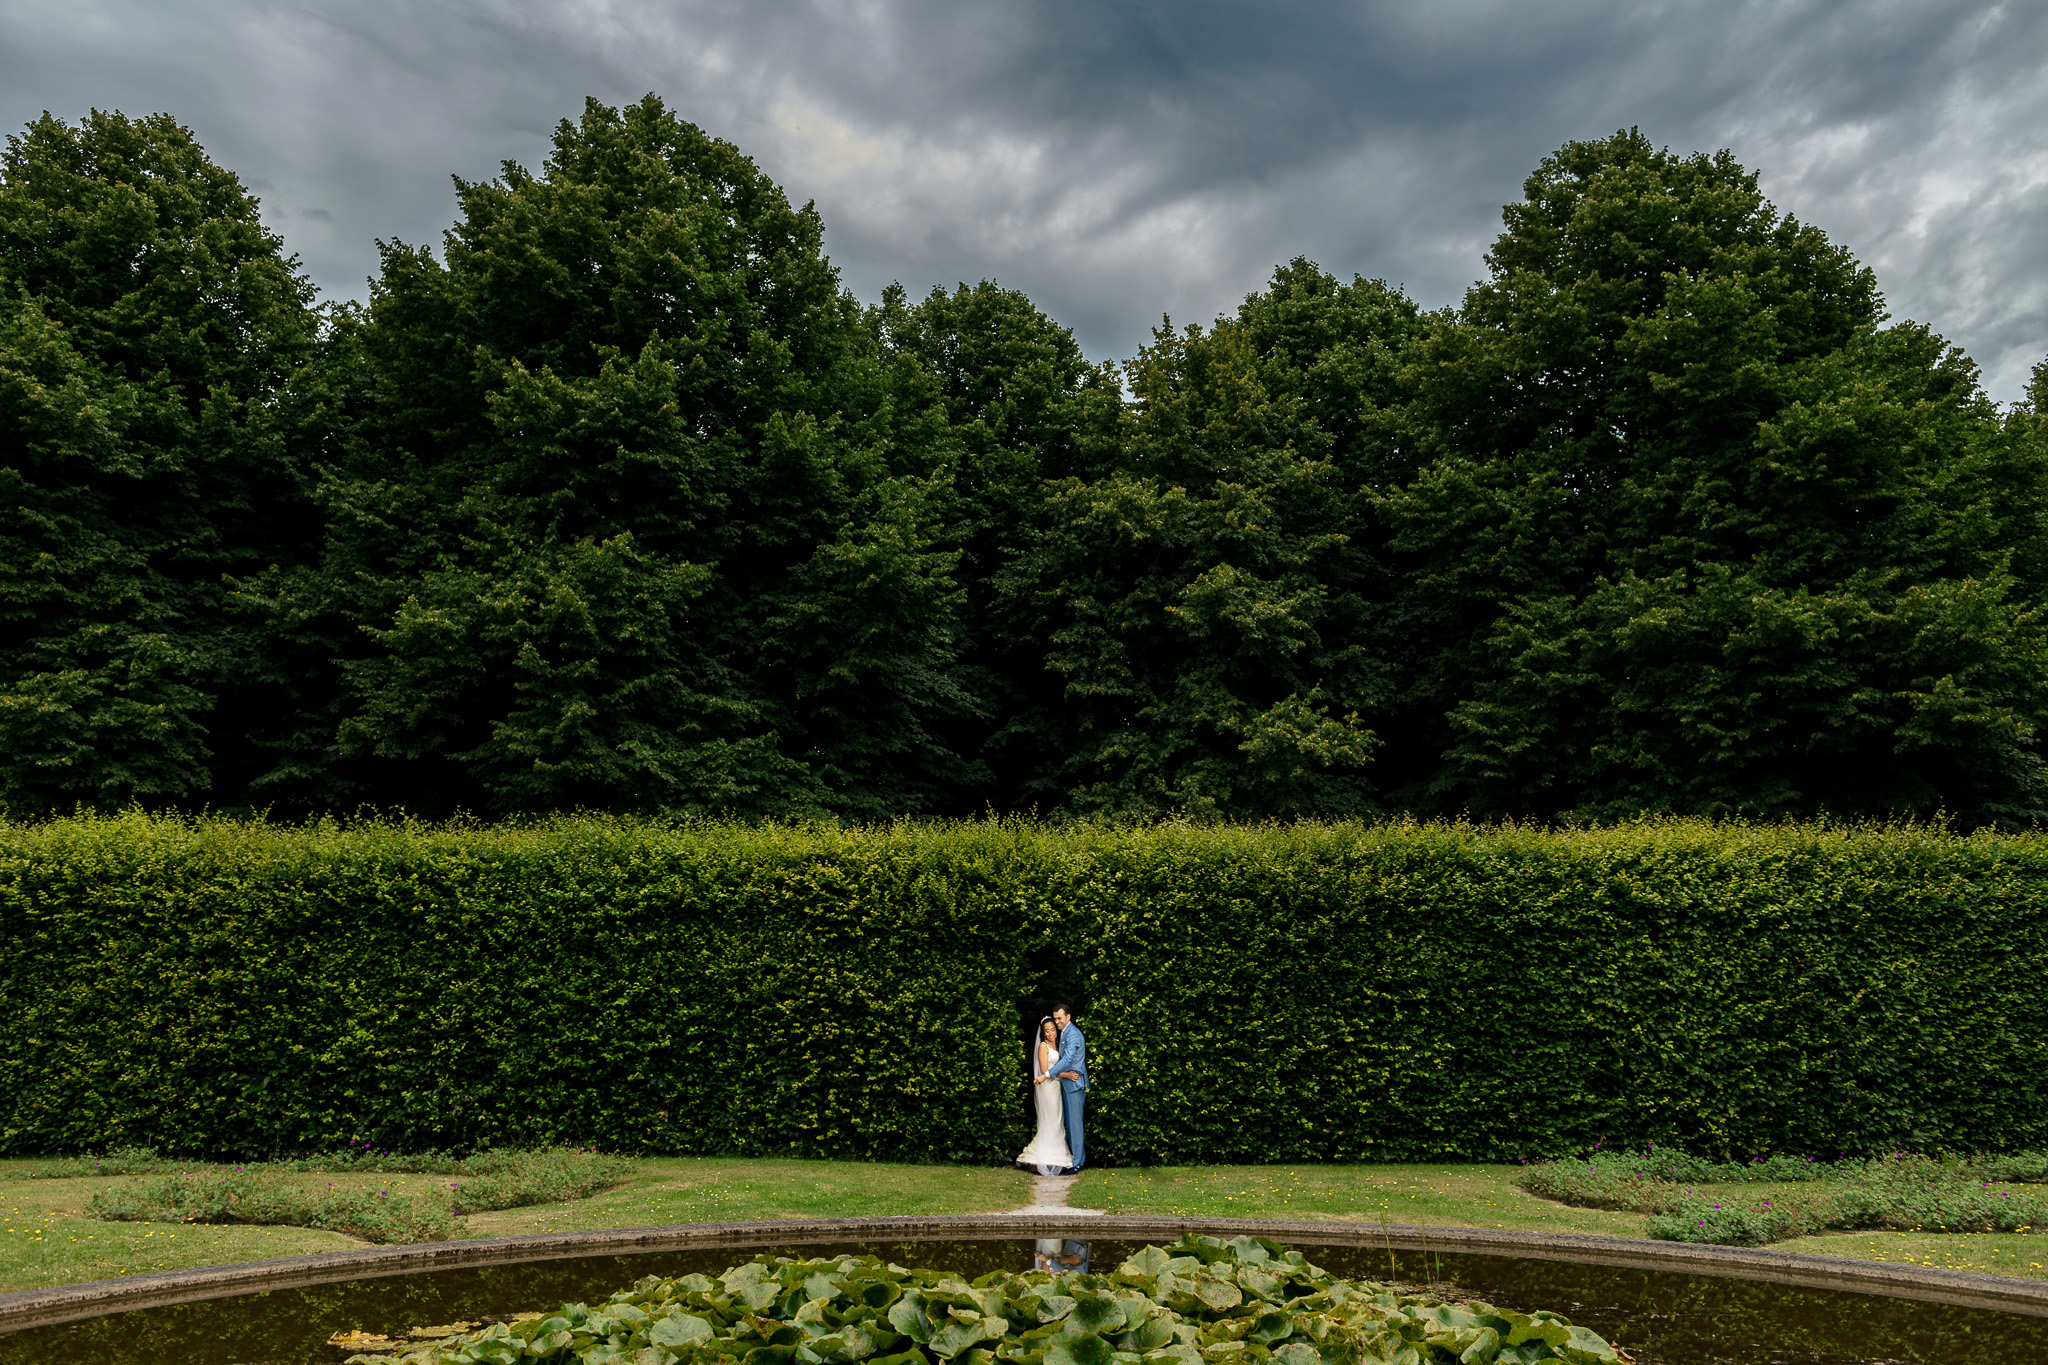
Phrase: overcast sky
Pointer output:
(1117, 160)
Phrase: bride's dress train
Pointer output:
(1048, 1152)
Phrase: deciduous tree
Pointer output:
(639, 515)
(150, 326)
(1701, 531)
(1207, 598)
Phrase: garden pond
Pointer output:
(1657, 1317)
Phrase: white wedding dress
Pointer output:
(1048, 1151)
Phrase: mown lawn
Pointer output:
(45, 1238)
(1461, 1196)
(48, 1241)
(1486, 1197)
(731, 1190)
(1996, 1253)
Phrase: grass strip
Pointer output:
(1900, 1192)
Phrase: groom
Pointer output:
(1071, 1066)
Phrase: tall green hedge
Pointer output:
(1286, 993)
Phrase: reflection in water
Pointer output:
(1056, 1255)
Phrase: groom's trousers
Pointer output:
(1073, 1099)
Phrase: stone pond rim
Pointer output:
(1959, 1288)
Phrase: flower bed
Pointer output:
(268, 1194)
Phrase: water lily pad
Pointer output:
(1080, 1350)
(1245, 1303)
(361, 1341)
(1217, 1294)
(907, 1316)
(1251, 1249)
(1095, 1313)
(1149, 1262)
(679, 1330)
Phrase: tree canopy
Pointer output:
(149, 325)
(619, 499)
(1705, 534)
(637, 511)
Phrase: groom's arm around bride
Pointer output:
(1071, 1066)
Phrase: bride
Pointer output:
(1048, 1152)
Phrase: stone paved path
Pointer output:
(1049, 1195)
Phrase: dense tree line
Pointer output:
(621, 500)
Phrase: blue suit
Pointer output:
(1073, 1057)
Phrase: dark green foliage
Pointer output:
(1312, 992)
(723, 992)
(636, 514)
(622, 502)
(149, 325)
(1024, 408)
(1695, 532)
(1206, 600)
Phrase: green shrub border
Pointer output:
(1306, 992)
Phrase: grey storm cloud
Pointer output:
(1120, 161)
